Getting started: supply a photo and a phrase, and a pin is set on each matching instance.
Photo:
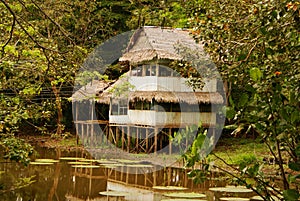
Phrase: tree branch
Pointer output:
(23, 28)
(10, 33)
(54, 22)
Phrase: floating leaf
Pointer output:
(46, 160)
(114, 193)
(169, 188)
(40, 163)
(180, 199)
(139, 165)
(232, 189)
(85, 166)
(234, 199)
(78, 163)
(71, 158)
(185, 195)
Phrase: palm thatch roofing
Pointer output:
(176, 97)
(149, 43)
(91, 91)
(102, 92)
(146, 44)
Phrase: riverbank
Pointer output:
(231, 150)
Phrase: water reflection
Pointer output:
(63, 181)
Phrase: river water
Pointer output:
(62, 181)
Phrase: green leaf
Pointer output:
(297, 150)
(242, 57)
(243, 100)
(230, 113)
(255, 74)
(292, 178)
(291, 195)
(295, 116)
(294, 166)
(284, 113)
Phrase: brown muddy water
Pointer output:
(64, 180)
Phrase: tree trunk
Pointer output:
(59, 129)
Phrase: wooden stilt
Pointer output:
(107, 133)
(76, 124)
(117, 136)
(170, 141)
(137, 140)
(169, 175)
(187, 141)
(185, 177)
(161, 137)
(147, 140)
(145, 179)
(128, 138)
(155, 140)
(92, 125)
(127, 175)
(154, 177)
(122, 172)
(136, 176)
(123, 137)
(82, 133)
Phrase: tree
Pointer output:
(255, 45)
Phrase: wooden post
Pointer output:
(128, 138)
(169, 175)
(145, 179)
(123, 137)
(92, 124)
(106, 133)
(82, 133)
(160, 140)
(76, 122)
(136, 176)
(127, 175)
(170, 141)
(122, 172)
(147, 140)
(117, 136)
(187, 141)
(154, 176)
(137, 139)
(185, 178)
(155, 139)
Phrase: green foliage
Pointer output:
(160, 13)
(255, 46)
(291, 195)
(16, 149)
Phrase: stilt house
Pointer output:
(152, 100)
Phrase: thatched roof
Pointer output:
(102, 91)
(177, 97)
(90, 91)
(150, 43)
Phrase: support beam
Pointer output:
(147, 140)
(155, 139)
(137, 140)
(117, 136)
(170, 141)
(128, 139)
(123, 137)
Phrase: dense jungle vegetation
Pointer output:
(254, 43)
